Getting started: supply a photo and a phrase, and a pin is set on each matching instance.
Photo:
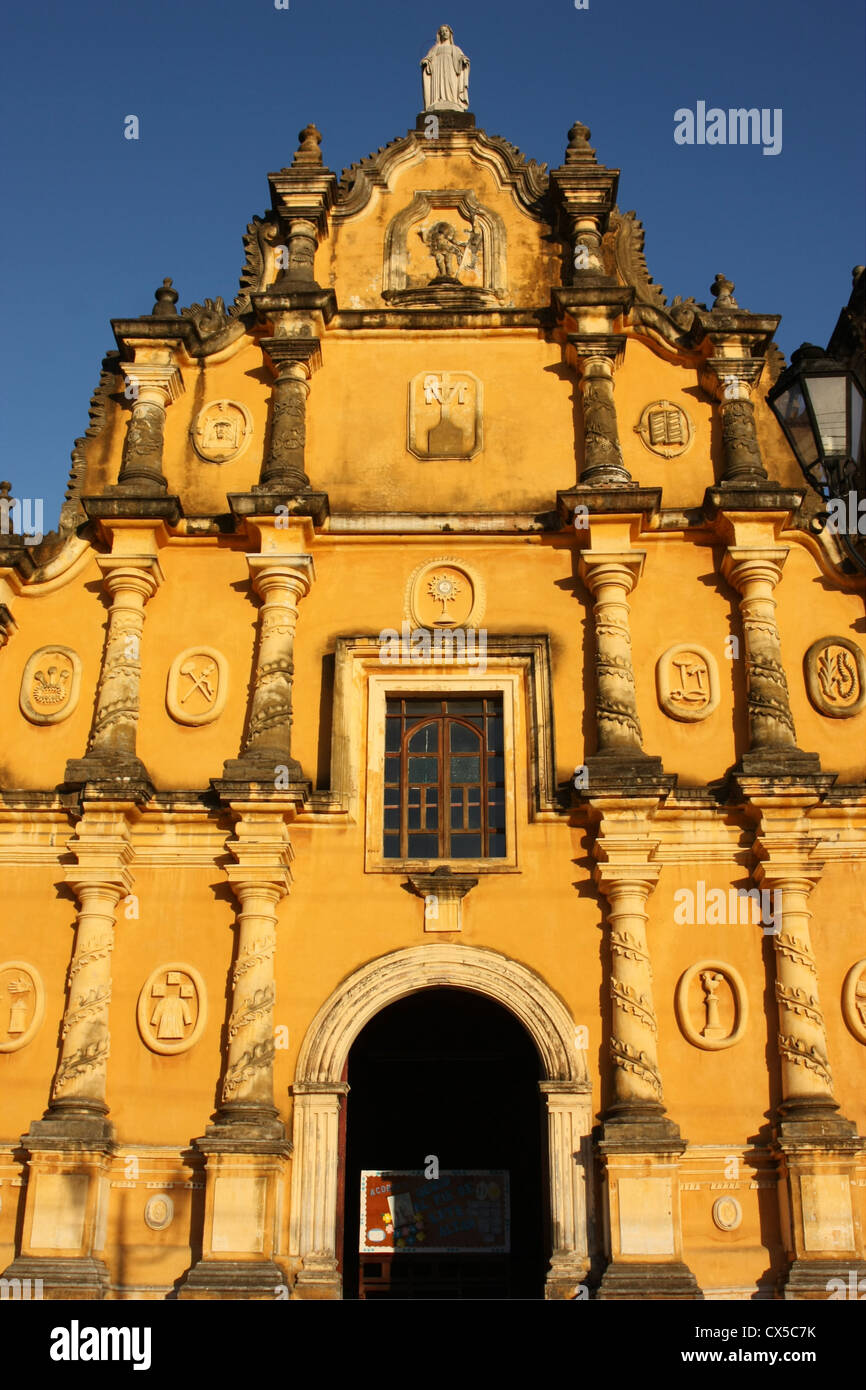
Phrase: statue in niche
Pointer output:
(451, 256)
(445, 74)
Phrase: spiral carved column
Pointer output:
(156, 385)
(816, 1148)
(131, 581)
(754, 573)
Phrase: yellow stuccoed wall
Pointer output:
(337, 917)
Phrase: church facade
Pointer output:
(433, 816)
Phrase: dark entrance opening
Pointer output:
(449, 1073)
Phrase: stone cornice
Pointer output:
(526, 179)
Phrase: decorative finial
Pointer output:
(445, 74)
(857, 272)
(5, 489)
(308, 151)
(166, 299)
(579, 148)
(723, 289)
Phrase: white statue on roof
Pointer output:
(445, 74)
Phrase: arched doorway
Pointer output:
(319, 1091)
(445, 1080)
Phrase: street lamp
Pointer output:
(819, 404)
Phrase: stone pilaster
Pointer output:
(312, 1230)
(245, 1149)
(640, 1146)
(130, 581)
(69, 1149)
(266, 756)
(156, 385)
(754, 571)
(815, 1147)
(569, 1125)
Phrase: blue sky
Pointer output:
(221, 88)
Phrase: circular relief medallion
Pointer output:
(198, 686)
(835, 670)
(221, 431)
(22, 1004)
(727, 1213)
(854, 1000)
(665, 429)
(172, 1009)
(158, 1211)
(50, 685)
(445, 593)
(687, 682)
(711, 1005)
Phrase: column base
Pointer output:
(82, 1278)
(265, 497)
(825, 1279)
(109, 774)
(261, 772)
(258, 1280)
(318, 1280)
(634, 1127)
(566, 1279)
(253, 1133)
(779, 762)
(69, 1129)
(625, 1280)
(627, 770)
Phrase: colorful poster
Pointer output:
(458, 1212)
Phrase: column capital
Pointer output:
(743, 565)
(298, 357)
(159, 382)
(597, 354)
(272, 571)
(730, 378)
(622, 568)
(140, 573)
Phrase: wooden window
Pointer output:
(444, 779)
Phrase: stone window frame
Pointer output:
(518, 670)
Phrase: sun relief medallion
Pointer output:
(445, 593)
(687, 682)
(50, 685)
(835, 670)
(22, 1004)
(221, 431)
(197, 687)
(172, 1009)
